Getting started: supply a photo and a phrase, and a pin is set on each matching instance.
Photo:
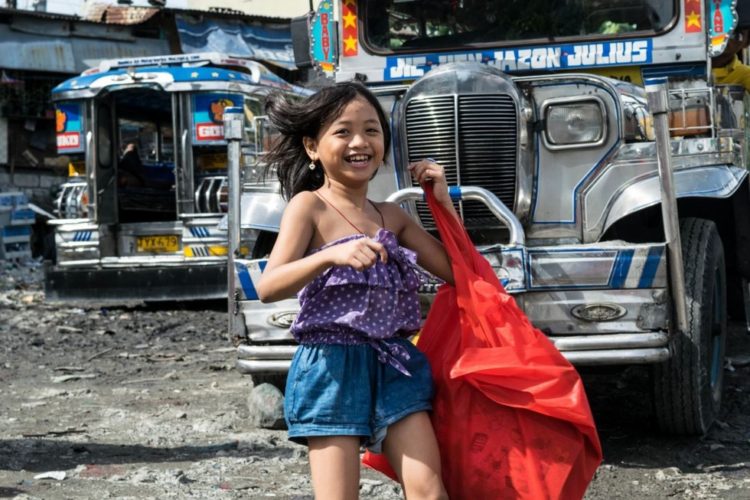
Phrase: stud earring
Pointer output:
(312, 165)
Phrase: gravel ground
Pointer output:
(143, 402)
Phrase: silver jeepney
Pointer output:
(624, 247)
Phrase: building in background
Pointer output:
(39, 49)
(264, 8)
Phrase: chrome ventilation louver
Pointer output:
(475, 138)
(211, 195)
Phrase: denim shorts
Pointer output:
(343, 390)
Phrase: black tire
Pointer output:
(688, 387)
(277, 380)
(264, 245)
(49, 248)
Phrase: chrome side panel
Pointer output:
(611, 199)
(202, 237)
(643, 310)
(76, 240)
(562, 174)
(261, 210)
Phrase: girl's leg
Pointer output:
(334, 466)
(412, 451)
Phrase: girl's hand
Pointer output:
(360, 253)
(426, 171)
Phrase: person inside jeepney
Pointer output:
(727, 66)
(130, 168)
(356, 379)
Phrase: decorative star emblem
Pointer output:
(350, 44)
(693, 19)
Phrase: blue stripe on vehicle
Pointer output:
(621, 268)
(199, 232)
(245, 282)
(649, 269)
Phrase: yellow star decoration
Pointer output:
(350, 20)
(350, 43)
(693, 19)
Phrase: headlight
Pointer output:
(574, 123)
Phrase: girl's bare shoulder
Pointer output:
(305, 202)
(395, 217)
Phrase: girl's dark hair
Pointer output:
(296, 120)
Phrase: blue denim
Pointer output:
(343, 390)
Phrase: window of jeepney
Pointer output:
(411, 25)
(152, 140)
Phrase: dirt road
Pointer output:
(143, 402)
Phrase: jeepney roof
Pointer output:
(172, 78)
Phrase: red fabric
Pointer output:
(510, 412)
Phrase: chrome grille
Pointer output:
(474, 137)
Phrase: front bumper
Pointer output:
(599, 305)
(188, 281)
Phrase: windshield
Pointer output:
(404, 25)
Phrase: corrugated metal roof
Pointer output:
(123, 14)
(33, 52)
(32, 13)
(117, 14)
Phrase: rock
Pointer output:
(266, 406)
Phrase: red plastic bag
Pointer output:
(510, 412)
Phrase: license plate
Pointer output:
(157, 244)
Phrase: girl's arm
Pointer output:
(431, 254)
(289, 270)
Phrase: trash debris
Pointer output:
(76, 376)
(68, 329)
(60, 432)
(98, 354)
(57, 475)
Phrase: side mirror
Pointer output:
(300, 27)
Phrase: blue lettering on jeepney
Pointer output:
(544, 58)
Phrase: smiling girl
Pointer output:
(355, 379)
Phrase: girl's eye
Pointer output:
(341, 131)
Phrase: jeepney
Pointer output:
(597, 167)
(138, 216)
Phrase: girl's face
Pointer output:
(351, 147)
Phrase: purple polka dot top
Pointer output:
(345, 306)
